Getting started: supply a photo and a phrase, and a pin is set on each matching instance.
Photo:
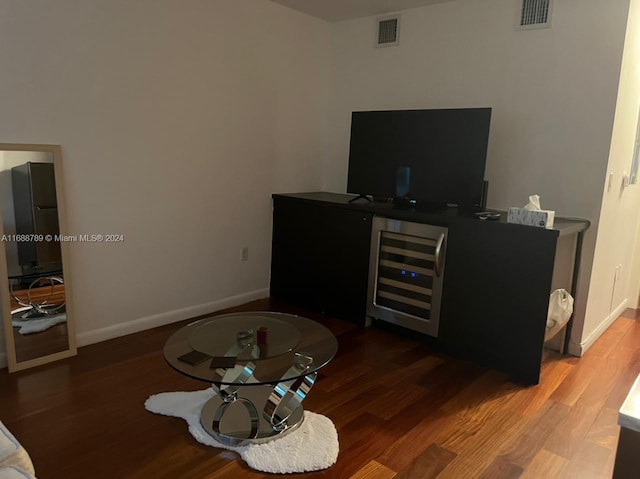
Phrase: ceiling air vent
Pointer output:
(388, 30)
(535, 14)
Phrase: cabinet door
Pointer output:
(320, 257)
(496, 295)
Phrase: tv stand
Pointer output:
(361, 197)
(498, 279)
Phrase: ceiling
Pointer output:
(336, 10)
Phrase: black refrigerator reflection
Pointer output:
(34, 261)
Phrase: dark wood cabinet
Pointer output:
(320, 257)
(497, 276)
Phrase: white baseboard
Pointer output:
(148, 322)
(578, 349)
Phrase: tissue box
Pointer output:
(542, 219)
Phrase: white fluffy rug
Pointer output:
(311, 447)
(37, 325)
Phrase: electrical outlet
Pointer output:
(244, 253)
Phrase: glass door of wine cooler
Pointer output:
(406, 273)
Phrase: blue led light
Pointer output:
(404, 272)
(413, 275)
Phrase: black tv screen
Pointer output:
(426, 156)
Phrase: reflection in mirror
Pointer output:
(34, 286)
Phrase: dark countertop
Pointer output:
(561, 226)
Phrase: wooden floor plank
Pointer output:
(524, 447)
(433, 428)
(374, 470)
(604, 431)
(499, 468)
(427, 465)
(546, 465)
(529, 400)
(476, 447)
(591, 459)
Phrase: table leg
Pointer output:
(286, 397)
(232, 417)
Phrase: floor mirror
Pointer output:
(34, 284)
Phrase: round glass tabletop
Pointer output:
(250, 348)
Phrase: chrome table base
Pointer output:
(248, 414)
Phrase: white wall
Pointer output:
(177, 121)
(553, 93)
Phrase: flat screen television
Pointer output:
(432, 157)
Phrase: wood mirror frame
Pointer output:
(13, 361)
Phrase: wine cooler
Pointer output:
(406, 272)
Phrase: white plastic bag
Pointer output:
(560, 308)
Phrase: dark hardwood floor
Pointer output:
(402, 410)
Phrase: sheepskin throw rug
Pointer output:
(311, 447)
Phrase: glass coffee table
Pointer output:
(261, 365)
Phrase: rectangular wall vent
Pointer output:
(535, 14)
(388, 31)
